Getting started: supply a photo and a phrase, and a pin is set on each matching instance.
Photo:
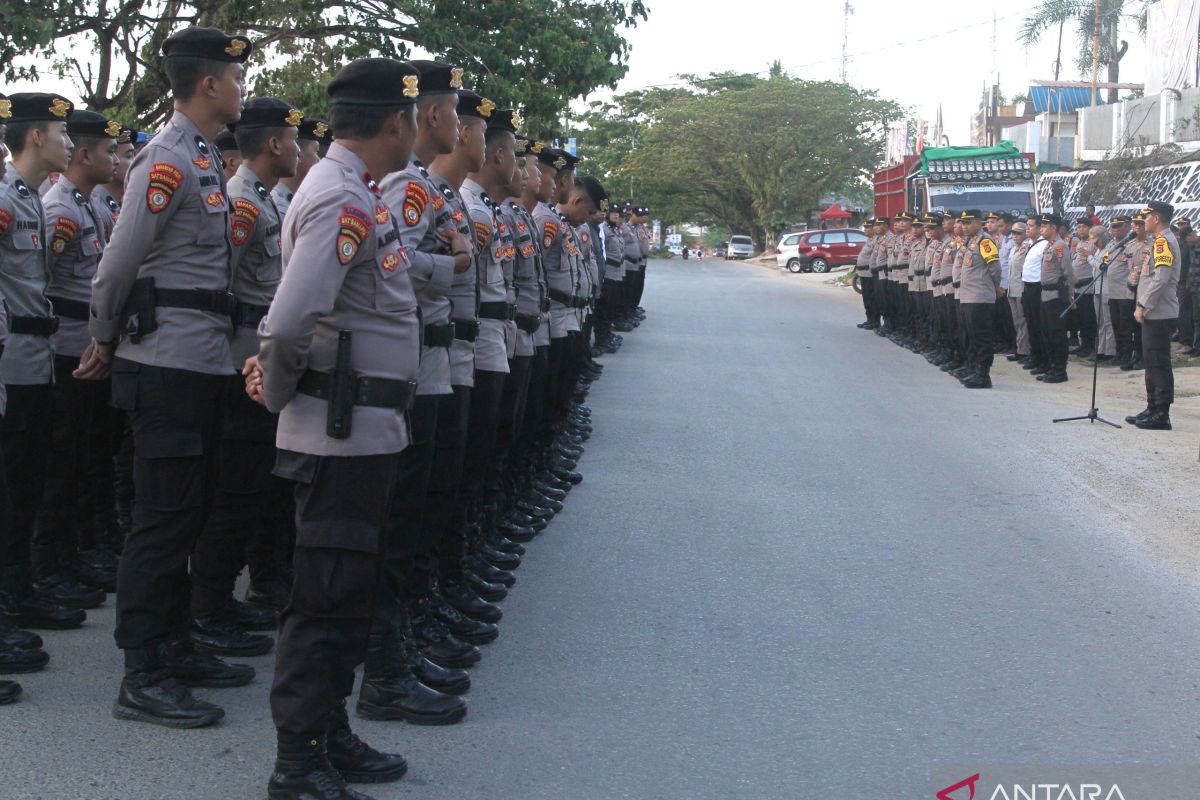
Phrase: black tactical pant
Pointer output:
(1006, 331)
(25, 439)
(1088, 326)
(1193, 300)
(442, 517)
(512, 404)
(409, 556)
(1126, 331)
(1031, 304)
(73, 497)
(639, 286)
(176, 419)
(535, 430)
(870, 306)
(341, 507)
(883, 299)
(1054, 329)
(1156, 353)
(242, 506)
(1187, 330)
(979, 320)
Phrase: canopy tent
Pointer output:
(835, 211)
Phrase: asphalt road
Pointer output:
(799, 566)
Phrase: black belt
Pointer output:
(33, 326)
(199, 299)
(466, 330)
(374, 392)
(919, 272)
(613, 262)
(496, 310)
(529, 322)
(1082, 283)
(957, 284)
(248, 315)
(1050, 287)
(559, 296)
(580, 301)
(71, 309)
(439, 334)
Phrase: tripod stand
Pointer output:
(1093, 414)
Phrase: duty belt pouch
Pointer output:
(139, 318)
(343, 388)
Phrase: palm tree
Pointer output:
(1057, 13)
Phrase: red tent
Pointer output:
(835, 211)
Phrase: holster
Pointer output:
(342, 390)
(139, 318)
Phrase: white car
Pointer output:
(788, 250)
(740, 247)
(676, 249)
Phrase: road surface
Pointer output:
(803, 563)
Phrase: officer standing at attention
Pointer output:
(37, 137)
(266, 139)
(80, 408)
(314, 134)
(1055, 280)
(879, 273)
(865, 277)
(1158, 311)
(980, 278)
(161, 301)
(339, 363)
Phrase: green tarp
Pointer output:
(1005, 149)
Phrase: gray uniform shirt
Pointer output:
(981, 270)
(107, 209)
(24, 275)
(614, 253)
(464, 288)
(77, 240)
(863, 261)
(1117, 258)
(257, 255)
(425, 232)
(1056, 271)
(174, 228)
(1160, 278)
(541, 338)
(524, 291)
(559, 265)
(491, 348)
(282, 197)
(346, 270)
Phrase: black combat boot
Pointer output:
(980, 380)
(150, 694)
(356, 760)
(447, 680)
(441, 647)
(460, 596)
(28, 610)
(1157, 420)
(182, 661)
(12, 636)
(218, 633)
(1133, 419)
(303, 772)
(390, 690)
(17, 661)
(270, 594)
(9, 692)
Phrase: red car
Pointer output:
(820, 251)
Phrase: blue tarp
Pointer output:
(1047, 99)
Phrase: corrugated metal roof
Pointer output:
(1045, 99)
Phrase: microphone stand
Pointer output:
(1093, 414)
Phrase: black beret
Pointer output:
(617, 206)
(552, 157)
(534, 148)
(39, 107)
(642, 211)
(268, 112)
(970, 214)
(505, 119)
(572, 160)
(5, 108)
(471, 104)
(595, 191)
(225, 141)
(1164, 210)
(375, 82)
(92, 125)
(315, 130)
(209, 43)
(438, 77)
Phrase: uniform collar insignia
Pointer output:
(22, 187)
(262, 190)
(78, 195)
(201, 145)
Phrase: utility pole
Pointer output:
(847, 11)
(1095, 51)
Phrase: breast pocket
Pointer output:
(90, 249)
(212, 227)
(392, 293)
(271, 269)
(29, 259)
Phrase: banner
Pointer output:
(1171, 27)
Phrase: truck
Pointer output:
(953, 179)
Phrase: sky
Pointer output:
(941, 54)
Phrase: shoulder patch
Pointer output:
(483, 235)
(6, 218)
(245, 216)
(549, 233)
(65, 229)
(416, 199)
(1163, 257)
(165, 180)
(353, 227)
(987, 250)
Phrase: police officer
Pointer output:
(1158, 312)
(1123, 274)
(78, 235)
(980, 278)
(314, 134)
(231, 157)
(161, 300)
(1031, 296)
(266, 139)
(37, 137)
(614, 276)
(879, 272)
(1055, 281)
(399, 682)
(931, 259)
(866, 280)
(339, 361)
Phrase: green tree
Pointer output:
(1053, 16)
(752, 156)
(534, 54)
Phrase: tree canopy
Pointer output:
(753, 154)
(534, 54)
